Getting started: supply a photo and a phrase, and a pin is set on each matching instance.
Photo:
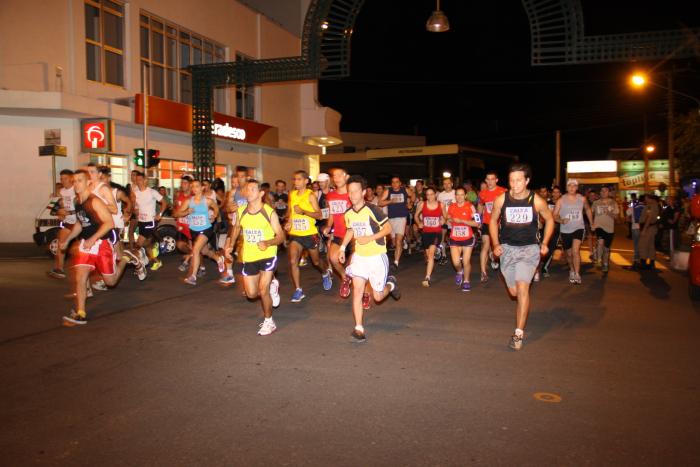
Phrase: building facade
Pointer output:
(66, 61)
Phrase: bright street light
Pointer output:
(446, 174)
(650, 148)
(638, 80)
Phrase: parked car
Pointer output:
(694, 259)
(47, 225)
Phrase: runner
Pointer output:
(569, 213)
(338, 204)
(66, 214)
(446, 197)
(93, 252)
(324, 184)
(551, 204)
(144, 200)
(430, 218)
(302, 214)
(487, 196)
(198, 210)
(184, 236)
(605, 210)
(280, 198)
(516, 243)
(464, 218)
(262, 232)
(395, 199)
(369, 227)
(133, 221)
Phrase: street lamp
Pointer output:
(638, 80)
(650, 148)
(438, 21)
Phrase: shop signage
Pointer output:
(96, 135)
(227, 131)
(53, 150)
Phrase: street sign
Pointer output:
(52, 136)
(53, 150)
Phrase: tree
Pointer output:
(687, 142)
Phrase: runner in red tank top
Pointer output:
(461, 214)
(486, 199)
(338, 202)
(429, 218)
(184, 237)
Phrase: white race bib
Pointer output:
(477, 217)
(461, 231)
(145, 217)
(431, 221)
(489, 206)
(325, 213)
(253, 235)
(601, 210)
(519, 215)
(338, 206)
(300, 224)
(198, 220)
(551, 207)
(574, 215)
(94, 250)
(396, 198)
(360, 229)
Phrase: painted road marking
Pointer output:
(549, 397)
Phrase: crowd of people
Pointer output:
(344, 228)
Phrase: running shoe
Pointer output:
(144, 256)
(184, 266)
(394, 292)
(577, 279)
(327, 281)
(191, 280)
(227, 280)
(56, 273)
(275, 293)
(157, 264)
(495, 264)
(426, 282)
(345, 287)
(298, 296)
(537, 277)
(605, 268)
(131, 257)
(303, 262)
(466, 287)
(141, 271)
(202, 271)
(73, 318)
(459, 277)
(221, 264)
(366, 301)
(572, 277)
(155, 250)
(484, 278)
(267, 327)
(516, 342)
(358, 336)
(99, 285)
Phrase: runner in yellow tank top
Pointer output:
(262, 233)
(302, 213)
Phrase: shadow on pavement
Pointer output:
(657, 286)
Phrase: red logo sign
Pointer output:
(94, 135)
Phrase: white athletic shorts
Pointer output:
(374, 269)
(398, 225)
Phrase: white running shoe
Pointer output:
(267, 327)
(144, 256)
(99, 285)
(275, 293)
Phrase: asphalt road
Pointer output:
(167, 374)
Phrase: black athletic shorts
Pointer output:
(209, 233)
(485, 229)
(607, 237)
(147, 229)
(467, 243)
(429, 239)
(308, 242)
(567, 239)
(255, 267)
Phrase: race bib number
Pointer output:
(145, 217)
(489, 206)
(461, 231)
(574, 215)
(300, 224)
(253, 235)
(360, 229)
(551, 207)
(325, 213)
(183, 220)
(431, 221)
(396, 198)
(338, 206)
(519, 215)
(198, 220)
(601, 210)
(94, 250)
(477, 217)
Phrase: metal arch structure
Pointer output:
(557, 34)
(558, 38)
(325, 53)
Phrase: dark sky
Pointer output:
(474, 84)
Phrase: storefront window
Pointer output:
(104, 37)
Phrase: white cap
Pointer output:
(572, 181)
(323, 177)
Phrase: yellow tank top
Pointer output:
(256, 228)
(302, 225)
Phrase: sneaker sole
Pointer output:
(298, 300)
(72, 322)
(55, 276)
(268, 334)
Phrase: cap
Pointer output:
(572, 181)
(323, 177)
(187, 177)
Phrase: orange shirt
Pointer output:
(487, 197)
(459, 214)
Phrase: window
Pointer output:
(167, 50)
(171, 171)
(245, 97)
(104, 41)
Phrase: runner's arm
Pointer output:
(126, 203)
(543, 210)
(316, 213)
(163, 207)
(106, 222)
(587, 210)
(214, 206)
(493, 224)
(385, 199)
(557, 209)
(183, 209)
(277, 228)
(111, 204)
(419, 215)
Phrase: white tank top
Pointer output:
(68, 203)
(572, 210)
(117, 218)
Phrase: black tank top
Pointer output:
(519, 221)
(88, 218)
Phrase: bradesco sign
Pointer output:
(96, 135)
(176, 116)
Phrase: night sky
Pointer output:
(474, 84)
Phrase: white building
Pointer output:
(63, 61)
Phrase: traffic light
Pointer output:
(139, 157)
(153, 157)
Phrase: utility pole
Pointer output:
(144, 92)
(557, 178)
(671, 145)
